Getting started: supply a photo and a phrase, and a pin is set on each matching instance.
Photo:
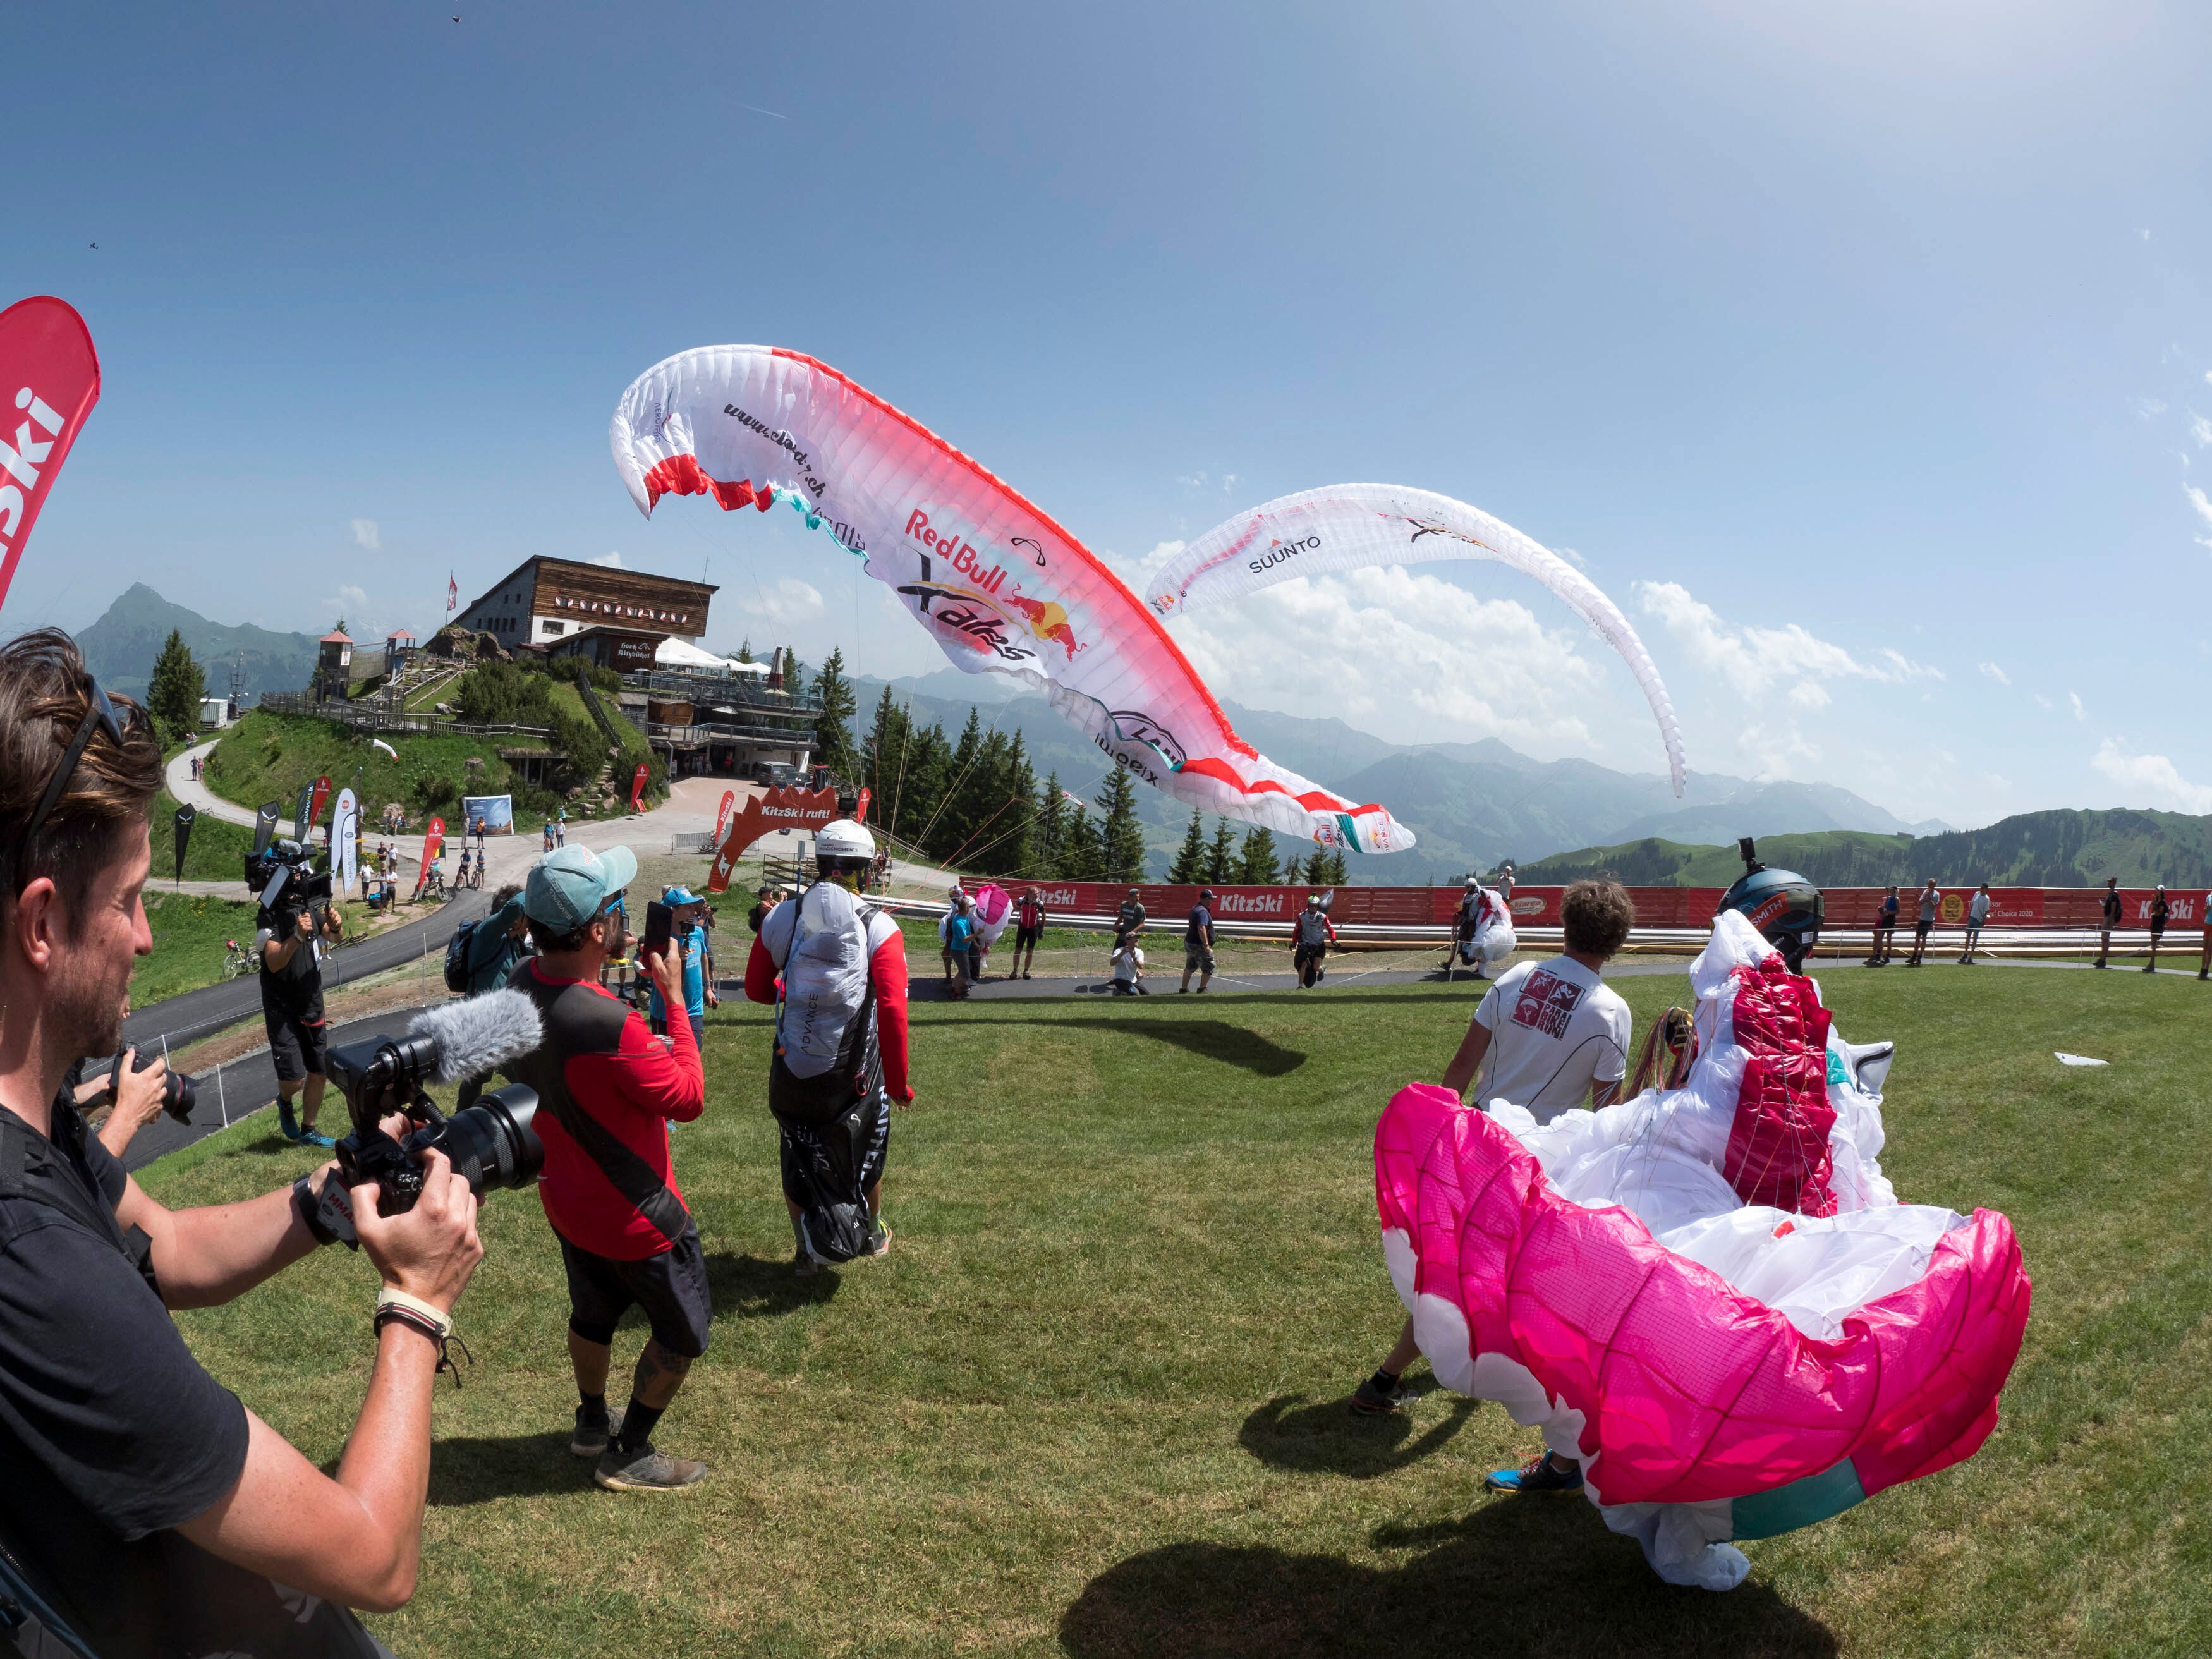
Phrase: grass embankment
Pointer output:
(217, 851)
(267, 756)
(1091, 1403)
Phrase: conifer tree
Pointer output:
(1257, 865)
(1189, 869)
(1221, 854)
(1008, 842)
(833, 731)
(1121, 840)
(1047, 838)
(175, 689)
(1079, 856)
(1338, 873)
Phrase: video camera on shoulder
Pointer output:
(284, 882)
(492, 1143)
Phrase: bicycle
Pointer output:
(240, 961)
(475, 874)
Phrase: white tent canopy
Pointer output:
(686, 658)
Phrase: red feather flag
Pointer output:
(49, 378)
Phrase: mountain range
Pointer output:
(120, 647)
(1470, 804)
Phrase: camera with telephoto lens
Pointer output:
(492, 1145)
(303, 885)
(178, 1093)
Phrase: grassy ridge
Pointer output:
(267, 756)
(1091, 1403)
(2062, 848)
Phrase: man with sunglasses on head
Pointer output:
(149, 1511)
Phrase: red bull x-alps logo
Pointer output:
(959, 554)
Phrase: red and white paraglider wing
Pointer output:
(999, 585)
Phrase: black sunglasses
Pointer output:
(101, 713)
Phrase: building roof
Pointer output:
(680, 654)
(335, 637)
(399, 634)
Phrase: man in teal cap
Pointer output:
(690, 938)
(607, 1089)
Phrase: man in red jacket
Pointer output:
(836, 970)
(606, 1088)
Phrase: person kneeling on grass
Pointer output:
(606, 1089)
(835, 968)
(1545, 1035)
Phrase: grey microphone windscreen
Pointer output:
(479, 1034)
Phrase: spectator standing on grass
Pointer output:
(689, 937)
(1885, 932)
(959, 933)
(1977, 912)
(607, 1089)
(1545, 1035)
(1029, 928)
(2159, 910)
(1925, 920)
(763, 903)
(2109, 918)
(1197, 943)
(1504, 885)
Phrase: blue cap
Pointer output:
(567, 889)
(679, 894)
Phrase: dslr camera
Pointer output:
(492, 1145)
(180, 1093)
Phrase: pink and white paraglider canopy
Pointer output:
(1000, 586)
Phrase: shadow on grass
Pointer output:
(1516, 1576)
(464, 1471)
(748, 1288)
(1325, 1438)
(1211, 1039)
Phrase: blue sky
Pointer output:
(1863, 358)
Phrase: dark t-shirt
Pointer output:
(2110, 907)
(110, 1434)
(1201, 930)
(297, 987)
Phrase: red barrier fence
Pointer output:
(1847, 907)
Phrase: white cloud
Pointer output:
(1572, 557)
(2155, 780)
(2080, 712)
(2042, 701)
(364, 535)
(1754, 661)
(785, 603)
(1997, 673)
(2144, 234)
(2202, 503)
(611, 561)
(2149, 408)
(2199, 429)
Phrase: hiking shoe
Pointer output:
(1539, 1473)
(592, 1439)
(1368, 1401)
(315, 1137)
(880, 1238)
(650, 1469)
(804, 1265)
(287, 1124)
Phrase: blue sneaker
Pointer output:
(315, 1137)
(1539, 1473)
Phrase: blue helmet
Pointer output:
(1783, 905)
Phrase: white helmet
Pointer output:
(844, 839)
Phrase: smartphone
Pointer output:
(659, 928)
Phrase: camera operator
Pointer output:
(606, 1088)
(152, 1510)
(287, 936)
(496, 944)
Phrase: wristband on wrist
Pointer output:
(304, 1206)
(391, 1296)
(396, 1307)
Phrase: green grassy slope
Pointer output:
(2062, 848)
(1091, 1404)
(267, 756)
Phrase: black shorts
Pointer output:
(296, 1041)
(1920, 928)
(1027, 937)
(671, 1288)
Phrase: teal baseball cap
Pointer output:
(679, 895)
(569, 887)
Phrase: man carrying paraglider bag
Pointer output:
(1311, 934)
(1482, 930)
(835, 970)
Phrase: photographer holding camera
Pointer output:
(288, 931)
(148, 1510)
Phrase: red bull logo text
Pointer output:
(959, 554)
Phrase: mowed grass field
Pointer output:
(1092, 1402)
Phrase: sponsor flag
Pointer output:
(860, 807)
(49, 378)
(345, 839)
(300, 818)
(434, 842)
(637, 787)
(452, 595)
(184, 817)
(322, 798)
(722, 815)
(264, 823)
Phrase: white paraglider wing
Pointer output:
(996, 582)
(1319, 533)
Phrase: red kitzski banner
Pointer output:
(50, 376)
(637, 787)
(860, 807)
(434, 842)
(722, 814)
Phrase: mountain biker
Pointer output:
(1311, 934)
(839, 1061)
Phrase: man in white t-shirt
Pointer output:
(1545, 1035)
